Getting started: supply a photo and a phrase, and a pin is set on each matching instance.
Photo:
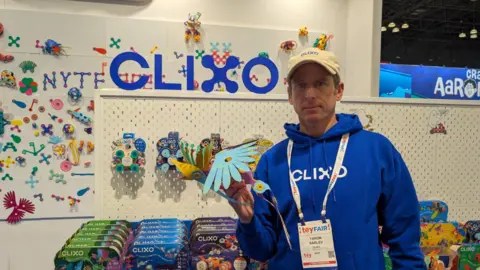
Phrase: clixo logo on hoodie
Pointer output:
(317, 174)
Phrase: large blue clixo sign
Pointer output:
(219, 73)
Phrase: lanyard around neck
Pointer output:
(342, 148)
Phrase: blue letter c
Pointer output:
(115, 66)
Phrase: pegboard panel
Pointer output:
(442, 165)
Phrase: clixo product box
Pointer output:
(213, 245)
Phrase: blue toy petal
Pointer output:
(242, 166)
(209, 181)
(218, 179)
(226, 177)
(246, 159)
(234, 172)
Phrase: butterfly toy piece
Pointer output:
(18, 212)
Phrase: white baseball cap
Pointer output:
(326, 59)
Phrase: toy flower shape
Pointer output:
(228, 164)
(28, 86)
(260, 187)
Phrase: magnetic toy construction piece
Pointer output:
(168, 147)
(322, 42)
(18, 209)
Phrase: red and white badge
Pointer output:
(316, 245)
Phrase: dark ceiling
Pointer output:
(433, 34)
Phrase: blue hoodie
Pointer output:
(373, 188)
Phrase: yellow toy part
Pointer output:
(16, 122)
(185, 168)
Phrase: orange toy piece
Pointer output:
(288, 45)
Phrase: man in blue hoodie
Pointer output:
(335, 184)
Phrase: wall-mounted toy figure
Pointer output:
(193, 25)
(8, 79)
(80, 116)
(75, 95)
(54, 48)
(263, 54)
(19, 210)
(128, 153)
(168, 147)
(6, 58)
(288, 46)
(322, 42)
(436, 122)
(4, 120)
(303, 32)
(28, 66)
(1, 29)
(28, 86)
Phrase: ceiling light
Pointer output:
(405, 26)
(473, 36)
(391, 25)
(462, 35)
(473, 31)
(395, 30)
(384, 29)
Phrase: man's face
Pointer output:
(313, 93)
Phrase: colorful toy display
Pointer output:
(469, 257)
(288, 46)
(433, 211)
(303, 32)
(168, 147)
(98, 244)
(473, 231)
(128, 153)
(442, 234)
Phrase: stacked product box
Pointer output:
(98, 244)
(213, 245)
(160, 244)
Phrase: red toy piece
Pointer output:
(440, 128)
(6, 58)
(24, 205)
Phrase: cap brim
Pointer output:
(301, 63)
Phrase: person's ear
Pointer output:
(340, 89)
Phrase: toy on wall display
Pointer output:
(436, 122)
(28, 66)
(57, 104)
(322, 42)
(21, 161)
(68, 130)
(47, 130)
(473, 231)
(303, 31)
(80, 116)
(73, 151)
(288, 46)
(28, 86)
(433, 211)
(14, 41)
(128, 153)
(8, 79)
(7, 162)
(75, 95)
(193, 25)
(6, 58)
(18, 210)
(263, 54)
(442, 234)
(100, 50)
(1, 29)
(53, 48)
(439, 258)
(34, 151)
(168, 147)
(19, 103)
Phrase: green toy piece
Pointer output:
(3, 123)
(7, 176)
(16, 138)
(263, 54)
(34, 152)
(34, 170)
(9, 145)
